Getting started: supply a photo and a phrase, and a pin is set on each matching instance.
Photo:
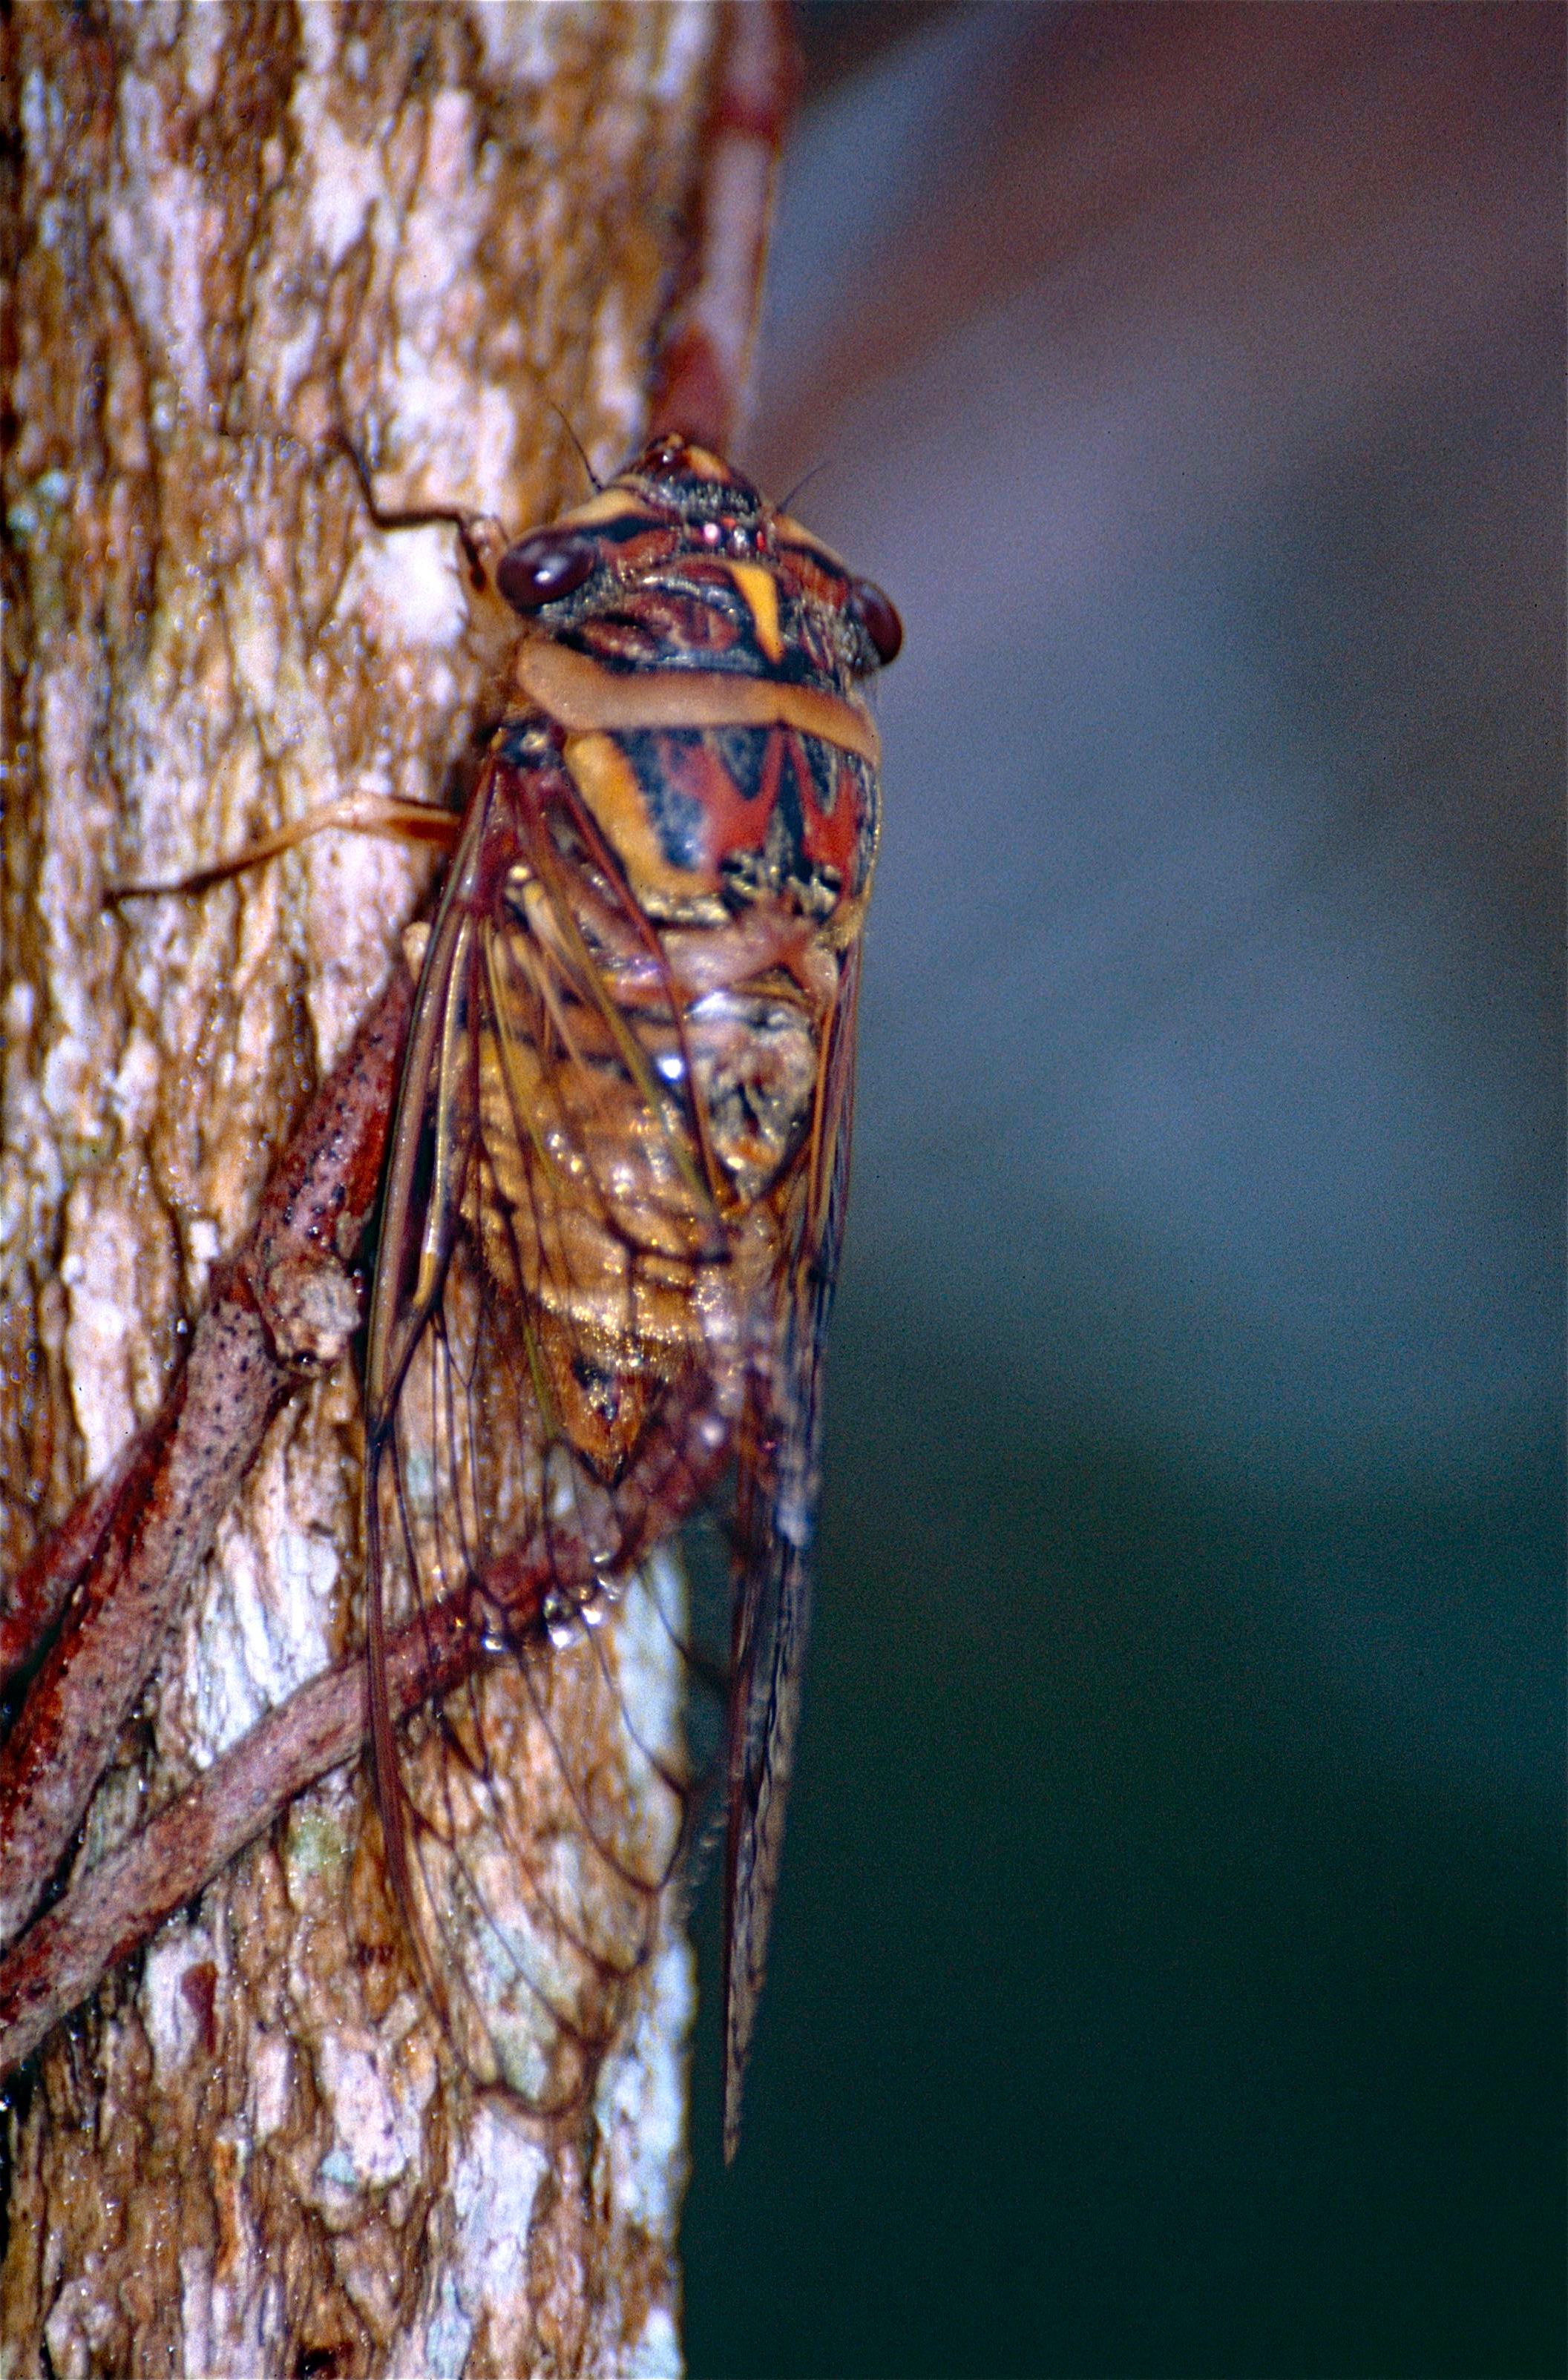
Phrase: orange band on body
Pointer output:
(585, 698)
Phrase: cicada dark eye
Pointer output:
(870, 607)
(541, 568)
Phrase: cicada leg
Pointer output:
(356, 814)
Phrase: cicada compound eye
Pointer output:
(875, 612)
(541, 568)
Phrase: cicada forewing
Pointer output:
(777, 1489)
(542, 1411)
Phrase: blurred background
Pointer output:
(1168, 1972)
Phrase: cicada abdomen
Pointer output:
(609, 1242)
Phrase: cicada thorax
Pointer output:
(616, 1183)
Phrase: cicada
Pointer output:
(611, 1230)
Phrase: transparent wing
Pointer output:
(775, 1513)
(544, 1404)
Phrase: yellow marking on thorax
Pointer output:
(607, 782)
(759, 592)
(585, 698)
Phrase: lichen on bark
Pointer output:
(233, 234)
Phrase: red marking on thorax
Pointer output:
(731, 823)
(832, 838)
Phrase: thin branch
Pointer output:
(283, 1312)
(117, 1904)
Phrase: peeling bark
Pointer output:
(236, 233)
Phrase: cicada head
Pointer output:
(676, 499)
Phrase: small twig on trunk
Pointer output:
(283, 1311)
(119, 1902)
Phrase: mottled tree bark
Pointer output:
(234, 235)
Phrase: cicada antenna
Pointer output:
(804, 482)
(596, 482)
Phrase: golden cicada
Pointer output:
(610, 1234)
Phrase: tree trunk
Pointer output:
(235, 235)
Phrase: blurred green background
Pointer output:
(1137, 2003)
(1168, 1974)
